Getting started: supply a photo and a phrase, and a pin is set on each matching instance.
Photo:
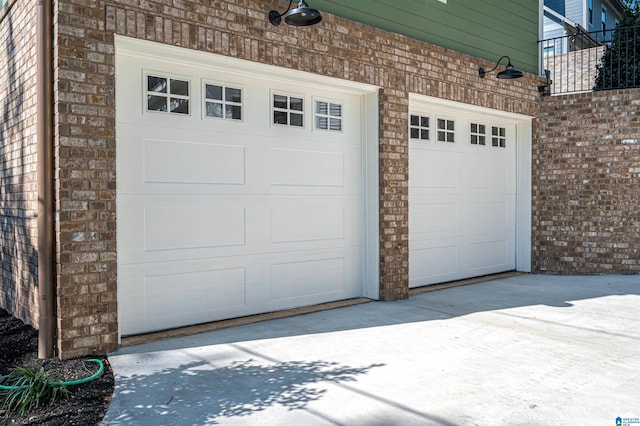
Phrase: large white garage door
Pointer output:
(462, 194)
(237, 194)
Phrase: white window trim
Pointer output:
(223, 84)
(169, 76)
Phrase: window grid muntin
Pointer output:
(223, 102)
(419, 127)
(167, 94)
(328, 116)
(498, 137)
(287, 110)
(477, 133)
(446, 130)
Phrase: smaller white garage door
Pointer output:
(237, 193)
(462, 195)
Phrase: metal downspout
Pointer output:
(44, 165)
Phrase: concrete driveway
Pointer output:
(524, 350)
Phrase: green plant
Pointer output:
(24, 389)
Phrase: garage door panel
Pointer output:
(433, 264)
(306, 168)
(194, 291)
(196, 163)
(167, 228)
(307, 278)
(303, 223)
(430, 172)
(490, 256)
(432, 217)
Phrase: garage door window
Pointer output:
(419, 127)
(478, 134)
(498, 137)
(288, 110)
(223, 102)
(170, 95)
(446, 130)
(328, 116)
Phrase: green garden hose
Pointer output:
(72, 383)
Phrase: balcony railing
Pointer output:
(597, 60)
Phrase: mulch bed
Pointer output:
(86, 404)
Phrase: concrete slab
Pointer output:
(525, 350)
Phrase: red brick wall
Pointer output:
(18, 180)
(586, 184)
(337, 47)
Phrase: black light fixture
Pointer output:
(301, 16)
(509, 72)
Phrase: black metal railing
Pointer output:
(587, 61)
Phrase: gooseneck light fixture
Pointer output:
(301, 16)
(509, 71)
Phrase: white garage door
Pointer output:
(237, 194)
(462, 195)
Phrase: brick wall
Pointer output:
(574, 71)
(85, 137)
(586, 186)
(18, 180)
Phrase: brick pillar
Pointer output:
(394, 194)
(85, 181)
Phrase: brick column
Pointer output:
(394, 194)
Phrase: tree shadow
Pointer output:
(19, 257)
(209, 393)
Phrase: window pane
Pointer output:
(335, 110)
(481, 140)
(233, 95)
(449, 125)
(502, 143)
(424, 134)
(474, 128)
(415, 120)
(482, 128)
(322, 108)
(156, 84)
(441, 124)
(233, 112)
(474, 139)
(450, 137)
(335, 124)
(296, 119)
(494, 141)
(494, 131)
(424, 121)
(280, 117)
(180, 106)
(280, 101)
(214, 110)
(322, 123)
(214, 92)
(415, 133)
(441, 136)
(180, 87)
(295, 104)
(156, 103)
(502, 131)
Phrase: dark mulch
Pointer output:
(86, 404)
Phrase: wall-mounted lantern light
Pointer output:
(509, 71)
(301, 16)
